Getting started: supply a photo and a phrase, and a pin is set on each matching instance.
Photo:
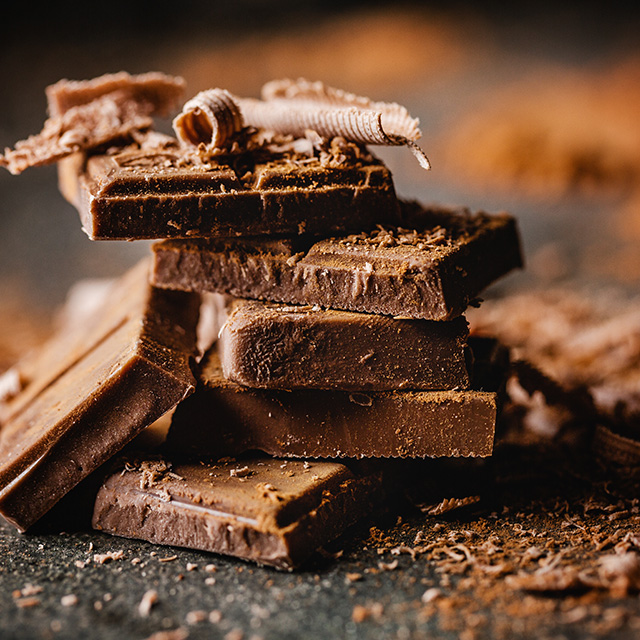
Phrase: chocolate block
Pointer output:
(431, 268)
(265, 510)
(275, 346)
(92, 114)
(224, 418)
(90, 390)
(160, 191)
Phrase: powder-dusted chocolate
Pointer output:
(273, 512)
(225, 418)
(90, 390)
(431, 267)
(276, 346)
(157, 189)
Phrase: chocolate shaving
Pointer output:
(146, 604)
(449, 504)
(295, 107)
(211, 118)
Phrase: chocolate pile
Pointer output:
(306, 324)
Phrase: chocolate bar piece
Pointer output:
(90, 390)
(431, 269)
(91, 114)
(156, 189)
(224, 418)
(154, 91)
(265, 510)
(275, 346)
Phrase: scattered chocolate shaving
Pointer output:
(109, 556)
(70, 600)
(295, 107)
(448, 504)
(195, 617)
(168, 559)
(28, 590)
(149, 599)
(25, 603)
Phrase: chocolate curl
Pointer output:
(211, 118)
(289, 107)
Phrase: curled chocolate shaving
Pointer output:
(211, 117)
(289, 107)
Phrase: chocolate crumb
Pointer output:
(25, 603)
(168, 559)
(69, 600)
(353, 577)
(195, 617)
(149, 599)
(109, 556)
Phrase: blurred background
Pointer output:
(531, 110)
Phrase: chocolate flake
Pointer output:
(149, 599)
(290, 107)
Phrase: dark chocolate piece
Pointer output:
(431, 269)
(162, 191)
(224, 418)
(275, 346)
(273, 512)
(90, 390)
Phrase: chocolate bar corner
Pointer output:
(90, 389)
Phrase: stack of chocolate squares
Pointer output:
(305, 323)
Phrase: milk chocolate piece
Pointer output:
(92, 113)
(157, 92)
(224, 418)
(265, 510)
(146, 192)
(431, 268)
(275, 346)
(90, 390)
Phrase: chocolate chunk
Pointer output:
(90, 113)
(224, 418)
(159, 92)
(90, 390)
(265, 510)
(431, 269)
(146, 192)
(275, 346)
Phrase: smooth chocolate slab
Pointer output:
(276, 346)
(273, 512)
(149, 192)
(431, 268)
(224, 418)
(90, 390)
